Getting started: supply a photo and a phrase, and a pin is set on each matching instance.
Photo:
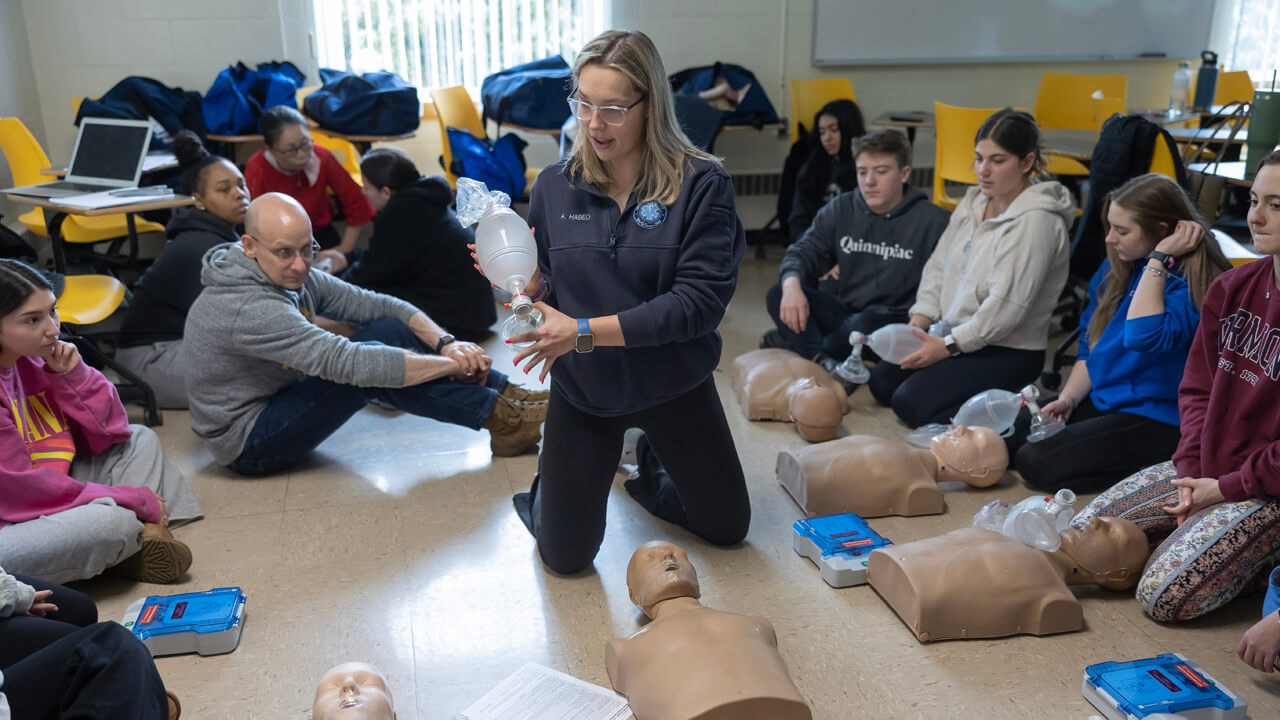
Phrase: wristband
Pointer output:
(542, 290)
(1156, 271)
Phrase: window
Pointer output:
(438, 43)
(1245, 37)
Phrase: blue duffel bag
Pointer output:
(534, 95)
(238, 97)
(499, 165)
(375, 103)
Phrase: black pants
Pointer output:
(935, 393)
(1093, 452)
(699, 485)
(829, 324)
(22, 635)
(101, 671)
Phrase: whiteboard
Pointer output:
(891, 32)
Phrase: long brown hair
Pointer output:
(667, 149)
(1157, 204)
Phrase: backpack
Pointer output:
(534, 95)
(375, 103)
(141, 98)
(238, 97)
(754, 110)
(499, 165)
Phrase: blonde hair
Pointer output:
(1155, 201)
(666, 148)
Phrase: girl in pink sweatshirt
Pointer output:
(1215, 506)
(80, 488)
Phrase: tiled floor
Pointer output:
(398, 545)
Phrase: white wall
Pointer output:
(749, 33)
(18, 96)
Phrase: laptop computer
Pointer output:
(108, 155)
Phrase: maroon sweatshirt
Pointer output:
(1229, 400)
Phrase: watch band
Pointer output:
(953, 350)
(1163, 258)
(584, 326)
(444, 340)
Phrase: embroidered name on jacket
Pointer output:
(883, 251)
(1244, 334)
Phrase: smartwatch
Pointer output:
(586, 342)
(445, 339)
(953, 350)
(1163, 258)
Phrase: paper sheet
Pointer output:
(536, 692)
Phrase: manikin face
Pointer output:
(280, 240)
(880, 180)
(603, 86)
(977, 452)
(1000, 172)
(1112, 550)
(223, 193)
(30, 330)
(1126, 237)
(660, 571)
(829, 134)
(1264, 210)
(353, 691)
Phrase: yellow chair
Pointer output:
(26, 159)
(1064, 101)
(303, 92)
(88, 299)
(347, 154)
(455, 109)
(1162, 160)
(1233, 86)
(808, 97)
(953, 156)
(1104, 108)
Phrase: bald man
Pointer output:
(266, 385)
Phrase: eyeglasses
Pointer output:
(286, 254)
(610, 114)
(300, 148)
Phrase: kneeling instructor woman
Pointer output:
(638, 250)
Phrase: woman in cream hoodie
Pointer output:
(993, 281)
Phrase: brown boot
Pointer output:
(175, 707)
(525, 395)
(514, 426)
(163, 558)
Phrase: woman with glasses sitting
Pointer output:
(638, 245)
(294, 165)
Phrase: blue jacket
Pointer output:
(1137, 365)
(668, 272)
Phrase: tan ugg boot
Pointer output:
(523, 394)
(514, 426)
(163, 558)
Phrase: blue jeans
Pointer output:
(301, 417)
(829, 324)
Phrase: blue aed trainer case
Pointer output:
(1168, 685)
(206, 622)
(839, 545)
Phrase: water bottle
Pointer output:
(1207, 80)
(505, 250)
(1036, 521)
(1181, 89)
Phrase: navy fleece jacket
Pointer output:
(668, 272)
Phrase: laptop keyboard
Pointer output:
(77, 186)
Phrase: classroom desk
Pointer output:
(1235, 253)
(1232, 172)
(362, 142)
(1217, 135)
(236, 139)
(926, 120)
(56, 213)
(1075, 144)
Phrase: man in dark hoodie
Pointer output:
(874, 240)
(418, 251)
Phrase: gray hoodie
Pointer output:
(16, 597)
(996, 282)
(880, 256)
(247, 339)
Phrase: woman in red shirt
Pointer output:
(1215, 507)
(294, 165)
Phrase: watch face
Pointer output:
(585, 343)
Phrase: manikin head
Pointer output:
(277, 234)
(816, 410)
(660, 571)
(1110, 552)
(973, 455)
(353, 691)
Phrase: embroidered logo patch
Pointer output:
(650, 215)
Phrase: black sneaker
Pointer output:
(772, 339)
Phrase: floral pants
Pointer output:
(1199, 567)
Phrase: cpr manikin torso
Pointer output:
(974, 583)
(692, 662)
(780, 385)
(353, 691)
(871, 476)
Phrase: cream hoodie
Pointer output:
(996, 282)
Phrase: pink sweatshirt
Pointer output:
(48, 418)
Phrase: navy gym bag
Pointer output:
(375, 103)
(238, 97)
(534, 95)
(755, 109)
(500, 165)
(137, 98)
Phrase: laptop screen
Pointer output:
(110, 152)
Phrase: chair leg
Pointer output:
(151, 414)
